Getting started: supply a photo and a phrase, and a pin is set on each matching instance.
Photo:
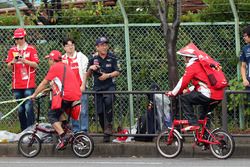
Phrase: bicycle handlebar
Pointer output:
(43, 94)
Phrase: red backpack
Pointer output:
(213, 70)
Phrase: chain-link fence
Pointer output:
(147, 49)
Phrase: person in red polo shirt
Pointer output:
(71, 93)
(23, 60)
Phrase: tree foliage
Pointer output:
(140, 11)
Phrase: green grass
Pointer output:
(13, 127)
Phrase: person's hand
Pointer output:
(185, 91)
(103, 77)
(169, 94)
(94, 67)
(23, 60)
(33, 97)
(245, 82)
(83, 88)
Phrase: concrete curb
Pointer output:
(133, 149)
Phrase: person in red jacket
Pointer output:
(201, 93)
(64, 84)
(22, 60)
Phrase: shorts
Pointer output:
(54, 115)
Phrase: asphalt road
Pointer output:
(121, 162)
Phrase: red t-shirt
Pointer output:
(72, 90)
(27, 79)
(73, 63)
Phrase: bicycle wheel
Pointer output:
(82, 145)
(29, 145)
(226, 147)
(169, 149)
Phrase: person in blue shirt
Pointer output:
(104, 67)
(245, 59)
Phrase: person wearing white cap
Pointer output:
(22, 60)
(201, 93)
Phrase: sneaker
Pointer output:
(108, 129)
(191, 128)
(61, 144)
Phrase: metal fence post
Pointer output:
(237, 49)
(18, 13)
(128, 61)
(224, 112)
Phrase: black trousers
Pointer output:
(104, 104)
(188, 100)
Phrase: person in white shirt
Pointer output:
(78, 63)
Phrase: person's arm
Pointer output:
(34, 60)
(84, 82)
(105, 76)
(10, 60)
(183, 82)
(30, 63)
(84, 66)
(90, 71)
(10, 64)
(115, 73)
(243, 73)
(40, 88)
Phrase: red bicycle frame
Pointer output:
(199, 134)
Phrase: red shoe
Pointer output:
(61, 144)
(191, 128)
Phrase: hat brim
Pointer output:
(187, 55)
(18, 37)
(101, 43)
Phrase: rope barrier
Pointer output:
(19, 104)
(22, 101)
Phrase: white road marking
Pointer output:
(84, 162)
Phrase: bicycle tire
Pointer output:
(227, 146)
(29, 145)
(82, 145)
(172, 149)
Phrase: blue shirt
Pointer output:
(245, 57)
(107, 65)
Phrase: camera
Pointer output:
(99, 71)
(18, 57)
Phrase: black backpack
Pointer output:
(146, 123)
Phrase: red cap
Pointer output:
(55, 55)
(19, 33)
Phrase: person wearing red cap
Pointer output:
(58, 79)
(201, 93)
(23, 60)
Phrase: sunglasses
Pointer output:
(18, 38)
